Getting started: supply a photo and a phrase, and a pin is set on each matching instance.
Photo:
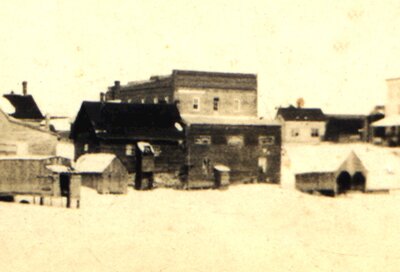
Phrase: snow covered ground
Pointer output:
(245, 228)
(254, 227)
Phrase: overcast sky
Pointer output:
(334, 54)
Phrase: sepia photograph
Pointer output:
(143, 135)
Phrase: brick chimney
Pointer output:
(24, 88)
(115, 89)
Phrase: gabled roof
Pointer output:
(94, 163)
(130, 121)
(301, 114)
(25, 106)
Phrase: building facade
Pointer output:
(302, 125)
(194, 92)
(251, 149)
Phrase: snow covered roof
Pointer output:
(6, 106)
(27, 157)
(143, 145)
(94, 162)
(227, 120)
(315, 158)
(57, 168)
(390, 121)
(222, 168)
(59, 124)
(381, 163)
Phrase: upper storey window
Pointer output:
(216, 103)
(196, 104)
(237, 105)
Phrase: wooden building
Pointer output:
(345, 128)
(340, 177)
(117, 127)
(189, 147)
(25, 107)
(21, 138)
(249, 147)
(43, 176)
(301, 125)
(103, 172)
(194, 92)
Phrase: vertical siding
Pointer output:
(242, 160)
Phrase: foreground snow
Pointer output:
(245, 228)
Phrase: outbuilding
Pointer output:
(327, 170)
(103, 172)
(43, 176)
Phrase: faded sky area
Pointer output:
(334, 54)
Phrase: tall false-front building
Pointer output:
(195, 93)
(392, 106)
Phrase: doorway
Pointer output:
(343, 182)
(65, 184)
(358, 182)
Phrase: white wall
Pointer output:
(304, 129)
(392, 105)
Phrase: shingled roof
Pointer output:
(301, 114)
(128, 121)
(25, 106)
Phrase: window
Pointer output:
(206, 166)
(155, 100)
(166, 99)
(235, 140)
(237, 105)
(295, 132)
(129, 150)
(266, 140)
(157, 150)
(85, 147)
(202, 140)
(216, 103)
(143, 100)
(314, 132)
(196, 104)
(262, 164)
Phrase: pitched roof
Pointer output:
(25, 106)
(301, 114)
(94, 163)
(389, 121)
(131, 121)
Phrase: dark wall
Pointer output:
(241, 159)
(345, 130)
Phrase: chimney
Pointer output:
(115, 89)
(47, 121)
(24, 88)
(102, 96)
(300, 103)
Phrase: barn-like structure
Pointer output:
(103, 172)
(43, 176)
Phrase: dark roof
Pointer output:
(301, 114)
(195, 79)
(201, 79)
(25, 106)
(130, 121)
(353, 117)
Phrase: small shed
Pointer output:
(221, 173)
(327, 169)
(103, 172)
(44, 176)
